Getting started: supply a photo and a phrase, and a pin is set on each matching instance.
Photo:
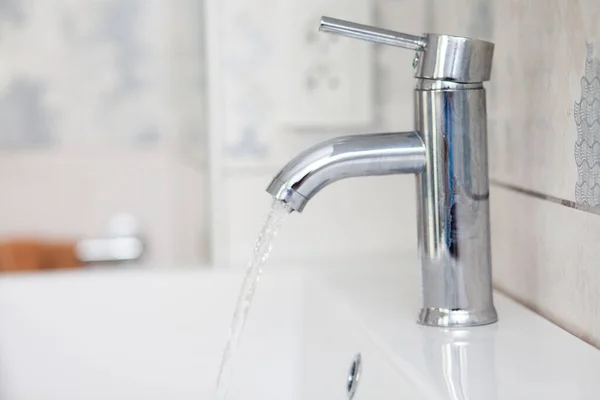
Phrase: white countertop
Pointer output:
(523, 356)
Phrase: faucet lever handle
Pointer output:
(441, 57)
(372, 34)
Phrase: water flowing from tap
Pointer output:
(277, 215)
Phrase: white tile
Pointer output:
(546, 256)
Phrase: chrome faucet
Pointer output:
(447, 152)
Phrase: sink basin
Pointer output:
(144, 334)
(159, 335)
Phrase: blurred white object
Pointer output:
(118, 249)
(122, 244)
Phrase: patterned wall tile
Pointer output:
(251, 67)
(539, 61)
(587, 145)
(24, 118)
(83, 72)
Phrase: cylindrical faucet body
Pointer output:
(453, 204)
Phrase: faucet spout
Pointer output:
(346, 157)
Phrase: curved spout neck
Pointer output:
(346, 157)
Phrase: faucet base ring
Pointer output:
(446, 318)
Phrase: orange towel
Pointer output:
(35, 255)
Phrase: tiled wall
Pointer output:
(545, 153)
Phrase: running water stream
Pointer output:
(277, 215)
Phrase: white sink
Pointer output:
(138, 334)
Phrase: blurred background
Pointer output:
(163, 122)
(102, 113)
(178, 113)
